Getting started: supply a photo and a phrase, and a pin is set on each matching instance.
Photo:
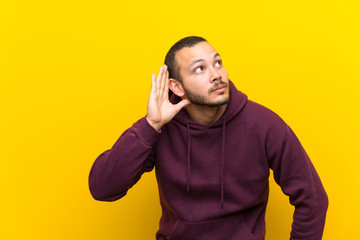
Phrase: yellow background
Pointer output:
(75, 74)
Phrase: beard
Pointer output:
(201, 100)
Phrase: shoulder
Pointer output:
(263, 122)
(267, 124)
(261, 115)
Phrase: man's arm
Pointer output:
(116, 170)
(298, 179)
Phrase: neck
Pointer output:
(205, 115)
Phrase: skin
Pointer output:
(204, 89)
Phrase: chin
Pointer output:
(221, 102)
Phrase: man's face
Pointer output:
(205, 80)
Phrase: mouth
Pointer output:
(219, 88)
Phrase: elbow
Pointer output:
(97, 195)
(321, 205)
(96, 192)
(100, 194)
(96, 186)
(325, 201)
(102, 188)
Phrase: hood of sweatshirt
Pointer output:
(237, 101)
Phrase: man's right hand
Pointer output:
(160, 110)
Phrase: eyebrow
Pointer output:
(200, 60)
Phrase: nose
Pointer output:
(214, 75)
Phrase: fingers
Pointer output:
(159, 80)
(153, 84)
(182, 104)
(165, 89)
(162, 82)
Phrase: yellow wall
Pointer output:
(75, 74)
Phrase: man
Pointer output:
(212, 149)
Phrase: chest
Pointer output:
(203, 153)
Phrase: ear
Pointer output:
(176, 87)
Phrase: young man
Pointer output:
(212, 149)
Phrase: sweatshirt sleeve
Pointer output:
(298, 179)
(116, 170)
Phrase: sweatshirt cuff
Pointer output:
(146, 133)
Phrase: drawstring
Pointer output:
(188, 160)
(222, 165)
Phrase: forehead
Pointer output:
(187, 55)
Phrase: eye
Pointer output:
(199, 69)
(218, 63)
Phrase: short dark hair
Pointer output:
(173, 67)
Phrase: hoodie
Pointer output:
(213, 180)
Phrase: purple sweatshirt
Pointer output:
(213, 180)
